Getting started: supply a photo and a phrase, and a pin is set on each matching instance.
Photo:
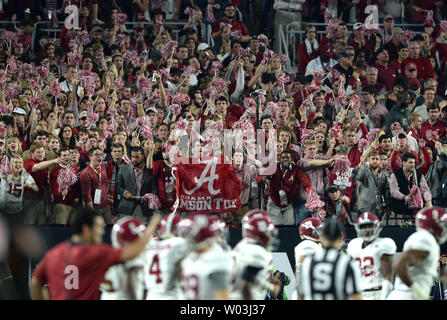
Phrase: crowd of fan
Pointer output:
(90, 118)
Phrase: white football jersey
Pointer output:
(114, 284)
(162, 257)
(197, 268)
(368, 259)
(425, 271)
(254, 255)
(11, 192)
(306, 248)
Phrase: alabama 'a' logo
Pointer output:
(204, 177)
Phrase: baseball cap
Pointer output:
(388, 17)
(402, 135)
(19, 111)
(83, 114)
(332, 229)
(152, 109)
(410, 66)
(414, 84)
(397, 30)
(357, 26)
(346, 54)
(97, 28)
(333, 188)
(202, 46)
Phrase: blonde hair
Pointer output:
(11, 176)
(19, 146)
(308, 142)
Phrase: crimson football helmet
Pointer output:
(260, 230)
(168, 225)
(309, 229)
(201, 230)
(255, 213)
(368, 233)
(434, 220)
(126, 230)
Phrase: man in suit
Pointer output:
(134, 181)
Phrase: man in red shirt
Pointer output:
(66, 200)
(237, 27)
(74, 269)
(308, 50)
(34, 201)
(94, 183)
(402, 51)
(434, 128)
(423, 64)
(162, 171)
(415, 120)
(284, 188)
(349, 139)
(386, 74)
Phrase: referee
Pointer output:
(330, 274)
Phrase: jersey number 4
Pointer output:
(155, 268)
(366, 266)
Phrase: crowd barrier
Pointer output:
(292, 35)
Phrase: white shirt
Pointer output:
(316, 65)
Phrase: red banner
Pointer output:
(207, 187)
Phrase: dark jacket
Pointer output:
(126, 182)
(435, 175)
(397, 114)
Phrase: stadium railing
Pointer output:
(292, 35)
(44, 27)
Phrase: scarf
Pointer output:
(309, 48)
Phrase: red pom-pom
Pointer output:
(342, 165)
(66, 178)
(144, 85)
(313, 201)
(181, 98)
(416, 197)
(152, 201)
(119, 84)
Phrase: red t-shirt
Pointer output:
(39, 176)
(68, 261)
(236, 25)
(431, 133)
(386, 75)
(423, 65)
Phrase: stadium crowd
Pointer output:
(95, 116)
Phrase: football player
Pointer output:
(417, 266)
(125, 281)
(252, 258)
(206, 270)
(374, 256)
(309, 233)
(163, 258)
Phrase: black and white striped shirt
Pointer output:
(328, 275)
